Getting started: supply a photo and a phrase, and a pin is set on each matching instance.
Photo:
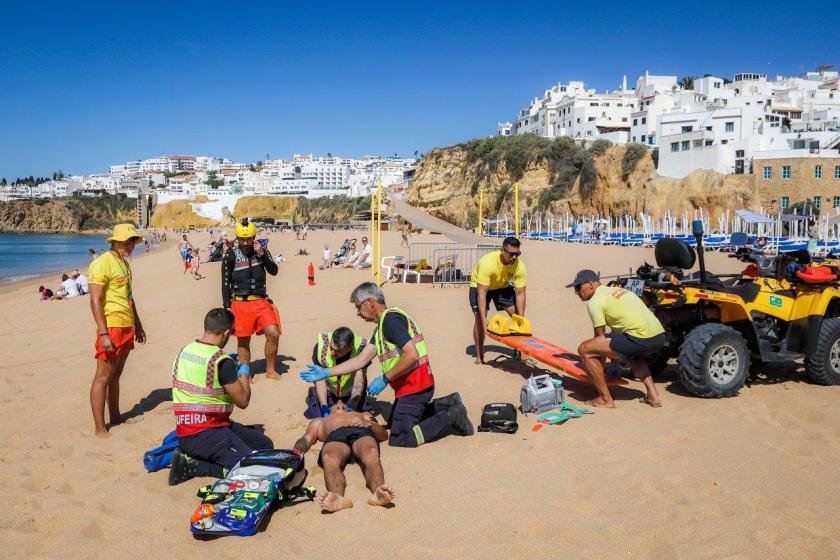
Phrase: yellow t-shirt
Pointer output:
(492, 273)
(622, 311)
(114, 275)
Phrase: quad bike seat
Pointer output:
(747, 292)
(817, 275)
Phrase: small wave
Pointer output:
(18, 278)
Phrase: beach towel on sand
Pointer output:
(161, 457)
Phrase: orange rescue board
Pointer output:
(552, 355)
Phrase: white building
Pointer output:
(504, 129)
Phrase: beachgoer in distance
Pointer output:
(81, 281)
(331, 349)
(326, 256)
(636, 334)
(118, 324)
(244, 292)
(196, 265)
(46, 293)
(398, 342)
(405, 232)
(365, 258)
(68, 289)
(347, 434)
(813, 237)
(500, 277)
(92, 254)
(188, 261)
(209, 442)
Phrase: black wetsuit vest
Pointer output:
(244, 275)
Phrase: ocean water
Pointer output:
(27, 255)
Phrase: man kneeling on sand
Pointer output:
(347, 435)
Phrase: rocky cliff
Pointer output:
(558, 177)
(65, 215)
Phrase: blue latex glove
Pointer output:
(314, 373)
(243, 369)
(377, 386)
(325, 410)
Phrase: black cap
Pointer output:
(583, 277)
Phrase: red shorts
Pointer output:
(123, 339)
(187, 265)
(254, 316)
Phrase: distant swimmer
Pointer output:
(401, 348)
(244, 270)
(636, 335)
(500, 277)
(118, 323)
(205, 387)
(348, 435)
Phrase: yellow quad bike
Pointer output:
(780, 309)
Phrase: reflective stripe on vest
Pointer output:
(339, 386)
(389, 354)
(199, 400)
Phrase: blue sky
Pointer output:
(84, 85)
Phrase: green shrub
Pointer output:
(599, 147)
(587, 177)
(632, 155)
(501, 195)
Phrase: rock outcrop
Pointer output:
(447, 184)
(65, 215)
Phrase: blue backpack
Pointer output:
(161, 457)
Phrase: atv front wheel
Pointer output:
(714, 361)
(824, 364)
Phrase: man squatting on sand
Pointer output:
(500, 277)
(208, 442)
(636, 335)
(347, 435)
(244, 292)
(399, 344)
(118, 324)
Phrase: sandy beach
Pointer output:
(746, 477)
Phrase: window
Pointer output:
(818, 172)
(686, 129)
(650, 139)
(709, 128)
(635, 122)
(724, 141)
(768, 172)
(644, 120)
(623, 119)
(785, 202)
(730, 127)
(675, 146)
(634, 139)
(817, 200)
(835, 202)
(739, 153)
(709, 142)
(686, 144)
(644, 138)
(837, 171)
(717, 85)
(786, 172)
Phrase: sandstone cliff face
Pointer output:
(446, 185)
(179, 214)
(67, 215)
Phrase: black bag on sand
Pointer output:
(499, 418)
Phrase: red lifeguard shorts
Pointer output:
(254, 316)
(123, 339)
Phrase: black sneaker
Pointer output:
(459, 421)
(182, 469)
(444, 403)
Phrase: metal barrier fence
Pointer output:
(445, 263)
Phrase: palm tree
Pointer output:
(687, 82)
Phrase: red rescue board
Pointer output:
(552, 355)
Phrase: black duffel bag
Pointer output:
(499, 418)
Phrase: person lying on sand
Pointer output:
(347, 435)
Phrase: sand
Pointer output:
(748, 477)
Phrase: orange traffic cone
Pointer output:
(311, 274)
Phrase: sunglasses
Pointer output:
(513, 255)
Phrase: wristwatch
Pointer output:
(103, 334)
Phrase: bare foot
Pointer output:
(102, 434)
(382, 496)
(650, 402)
(331, 502)
(479, 360)
(601, 403)
(272, 375)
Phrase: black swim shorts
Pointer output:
(348, 436)
(629, 348)
(501, 298)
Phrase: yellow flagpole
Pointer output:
(378, 231)
(516, 209)
(481, 211)
(372, 220)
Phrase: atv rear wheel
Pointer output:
(714, 361)
(824, 364)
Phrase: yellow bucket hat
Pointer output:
(124, 232)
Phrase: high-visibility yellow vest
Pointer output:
(199, 400)
(389, 354)
(340, 386)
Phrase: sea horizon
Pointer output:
(24, 255)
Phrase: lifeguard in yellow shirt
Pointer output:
(499, 276)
